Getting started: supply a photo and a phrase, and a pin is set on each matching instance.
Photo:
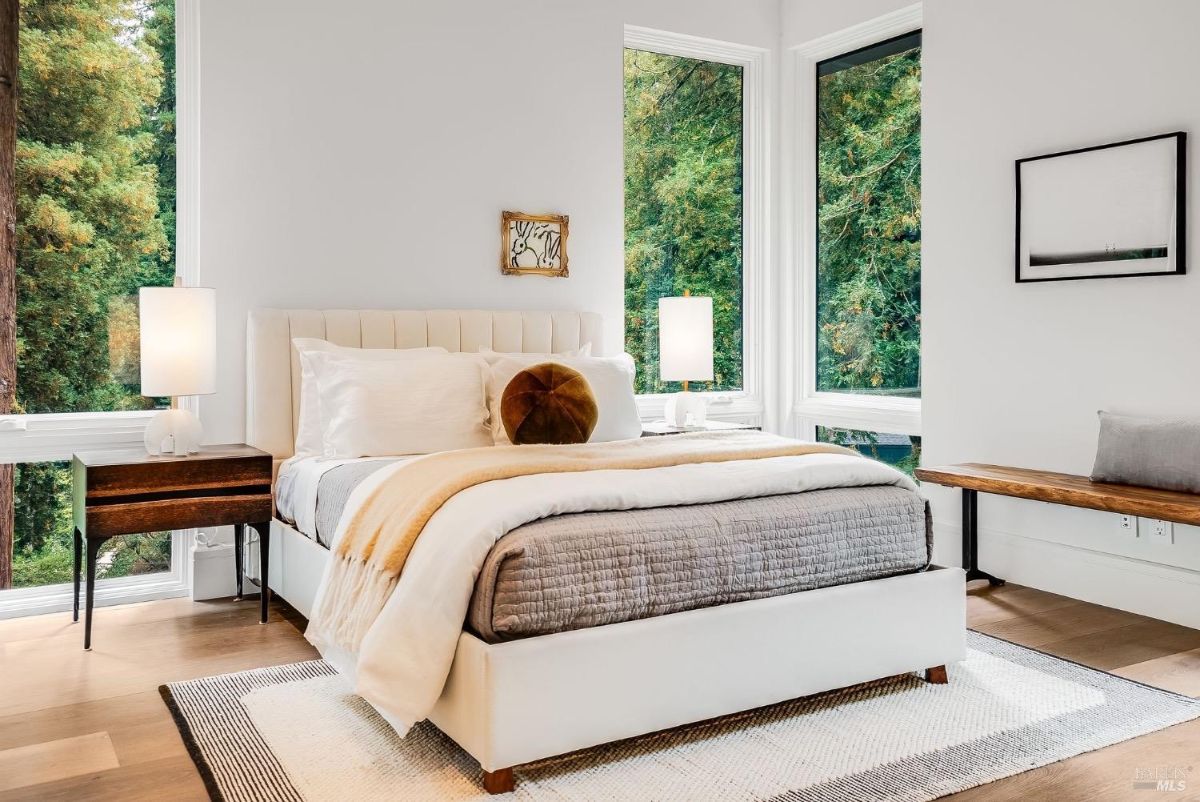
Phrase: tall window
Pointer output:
(869, 220)
(95, 199)
(683, 205)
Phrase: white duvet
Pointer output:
(406, 655)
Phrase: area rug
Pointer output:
(296, 732)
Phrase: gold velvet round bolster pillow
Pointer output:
(548, 403)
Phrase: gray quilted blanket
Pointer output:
(589, 569)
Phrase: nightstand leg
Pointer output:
(264, 562)
(93, 552)
(78, 540)
(239, 544)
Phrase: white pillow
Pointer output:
(611, 380)
(308, 428)
(408, 406)
(493, 357)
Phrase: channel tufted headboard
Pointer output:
(273, 369)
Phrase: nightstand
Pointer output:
(659, 428)
(127, 492)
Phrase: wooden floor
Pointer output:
(76, 725)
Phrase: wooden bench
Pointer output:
(1053, 488)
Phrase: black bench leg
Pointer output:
(93, 553)
(239, 543)
(78, 538)
(264, 562)
(970, 538)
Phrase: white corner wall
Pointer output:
(1015, 374)
(360, 154)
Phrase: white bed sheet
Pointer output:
(296, 488)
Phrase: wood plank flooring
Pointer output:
(51, 690)
(86, 726)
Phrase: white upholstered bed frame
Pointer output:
(513, 703)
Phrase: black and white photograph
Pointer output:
(1102, 212)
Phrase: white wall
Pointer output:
(1014, 374)
(805, 20)
(361, 157)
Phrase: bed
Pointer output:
(590, 627)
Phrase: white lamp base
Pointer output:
(686, 409)
(174, 431)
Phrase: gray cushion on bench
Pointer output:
(1151, 452)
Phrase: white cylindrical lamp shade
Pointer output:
(179, 340)
(685, 338)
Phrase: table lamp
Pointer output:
(685, 353)
(179, 357)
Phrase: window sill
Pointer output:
(56, 436)
(18, 602)
(867, 412)
(732, 406)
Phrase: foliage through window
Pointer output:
(95, 201)
(683, 205)
(898, 450)
(869, 220)
(43, 552)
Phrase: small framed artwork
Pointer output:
(1104, 212)
(533, 244)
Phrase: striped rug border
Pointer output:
(236, 765)
(224, 745)
(1062, 737)
(192, 746)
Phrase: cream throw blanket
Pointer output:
(374, 544)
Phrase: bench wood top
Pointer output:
(1068, 489)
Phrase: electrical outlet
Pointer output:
(1127, 524)
(1162, 532)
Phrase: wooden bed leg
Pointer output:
(499, 781)
(936, 675)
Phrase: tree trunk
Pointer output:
(9, 21)
(6, 525)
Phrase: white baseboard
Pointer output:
(1152, 589)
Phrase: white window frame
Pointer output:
(746, 404)
(811, 407)
(55, 437)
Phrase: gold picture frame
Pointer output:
(533, 244)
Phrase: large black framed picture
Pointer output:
(1104, 212)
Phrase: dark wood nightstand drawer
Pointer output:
(136, 517)
(128, 473)
(207, 476)
(127, 491)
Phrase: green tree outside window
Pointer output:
(683, 205)
(95, 182)
(869, 221)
